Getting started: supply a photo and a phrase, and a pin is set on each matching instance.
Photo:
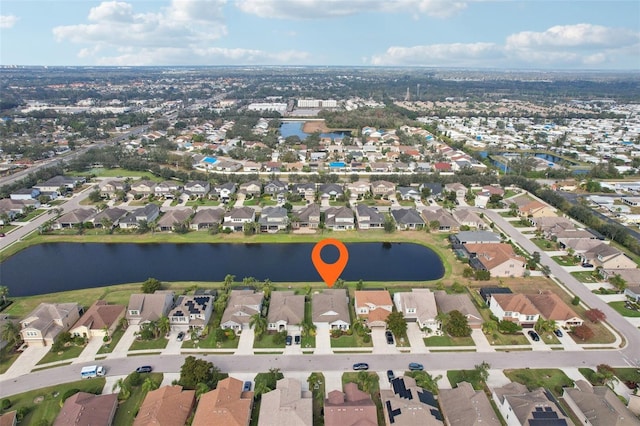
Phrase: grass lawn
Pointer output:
(550, 378)
(31, 215)
(210, 342)
(159, 343)
(619, 306)
(202, 202)
(353, 341)
(318, 401)
(262, 201)
(585, 277)
(566, 260)
(115, 338)
(448, 341)
(499, 339)
(545, 245)
(6, 228)
(126, 412)
(68, 352)
(506, 214)
(406, 203)
(43, 405)
(122, 173)
(628, 374)
(549, 338)
(7, 358)
(471, 376)
(267, 341)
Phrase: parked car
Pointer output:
(180, 336)
(557, 332)
(361, 366)
(296, 339)
(390, 375)
(414, 366)
(534, 336)
(389, 335)
(246, 387)
(587, 265)
(144, 369)
(289, 340)
(1, 234)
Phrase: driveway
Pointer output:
(415, 339)
(332, 381)
(121, 350)
(25, 362)
(323, 340)
(245, 345)
(174, 346)
(89, 352)
(380, 345)
(240, 200)
(481, 341)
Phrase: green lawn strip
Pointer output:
(202, 202)
(471, 376)
(31, 215)
(590, 375)
(107, 348)
(318, 401)
(565, 260)
(499, 339)
(346, 341)
(159, 343)
(122, 173)
(43, 407)
(60, 364)
(448, 341)
(620, 307)
(352, 377)
(585, 277)
(553, 379)
(210, 342)
(628, 374)
(549, 338)
(128, 409)
(68, 352)
(144, 353)
(7, 358)
(543, 244)
(267, 342)
(255, 412)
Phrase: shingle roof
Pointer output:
(516, 303)
(465, 406)
(225, 405)
(286, 306)
(87, 409)
(167, 406)
(286, 405)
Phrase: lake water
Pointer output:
(294, 128)
(54, 267)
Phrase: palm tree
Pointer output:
(123, 385)
(201, 388)
(228, 280)
(4, 292)
(367, 381)
(10, 333)
(259, 324)
(163, 324)
(149, 384)
(266, 288)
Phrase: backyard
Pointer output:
(550, 378)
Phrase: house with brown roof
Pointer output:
(100, 319)
(597, 405)
(74, 218)
(42, 325)
(9, 419)
(191, 312)
(286, 405)
(88, 409)
(226, 405)
(286, 311)
(167, 406)
(383, 188)
(514, 307)
(551, 307)
(608, 257)
(173, 218)
(207, 218)
(144, 307)
(349, 408)
(461, 303)
(499, 259)
(406, 404)
(330, 309)
(464, 405)
(468, 218)
(446, 222)
(241, 306)
(518, 406)
(418, 305)
(535, 208)
(374, 306)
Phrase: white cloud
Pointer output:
(455, 54)
(8, 21)
(579, 35)
(314, 9)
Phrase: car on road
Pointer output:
(360, 366)
(557, 332)
(390, 375)
(246, 387)
(296, 339)
(289, 340)
(1, 234)
(389, 335)
(180, 336)
(415, 366)
(144, 369)
(587, 265)
(534, 336)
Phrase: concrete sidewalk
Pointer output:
(481, 341)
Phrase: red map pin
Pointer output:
(330, 271)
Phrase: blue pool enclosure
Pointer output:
(209, 160)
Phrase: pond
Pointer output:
(294, 128)
(53, 267)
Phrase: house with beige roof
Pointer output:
(241, 306)
(330, 309)
(383, 188)
(46, 321)
(308, 217)
(461, 303)
(191, 312)
(515, 308)
(349, 408)
(456, 187)
(226, 405)
(359, 188)
(374, 306)
(406, 404)
(144, 307)
(598, 406)
(499, 259)
(518, 406)
(167, 406)
(608, 257)
(100, 319)
(173, 218)
(418, 305)
(85, 408)
(207, 218)
(552, 307)
(446, 222)
(535, 209)
(339, 218)
(74, 218)
(464, 405)
(286, 405)
(286, 311)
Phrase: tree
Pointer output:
(482, 275)
(164, 326)
(606, 375)
(228, 281)
(367, 381)
(482, 370)
(509, 327)
(543, 325)
(125, 388)
(201, 389)
(266, 382)
(149, 384)
(535, 257)
(195, 371)
(425, 380)
(259, 324)
(595, 315)
(457, 325)
(583, 332)
(94, 196)
(618, 282)
(359, 285)
(389, 224)
(575, 301)
(151, 285)
(10, 333)
(249, 228)
(4, 293)
(397, 324)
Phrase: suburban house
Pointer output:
(608, 257)
(241, 306)
(551, 224)
(520, 407)
(99, 320)
(224, 191)
(369, 217)
(474, 237)
(142, 187)
(253, 187)
(308, 217)
(535, 208)
(9, 418)
(197, 188)
(275, 187)
(226, 405)
(383, 188)
(207, 218)
(597, 405)
(12, 208)
(145, 307)
(339, 219)
(173, 218)
(46, 321)
(468, 218)
(330, 190)
(110, 187)
(349, 408)
(74, 218)
(191, 312)
(167, 406)
(407, 219)
(55, 183)
(330, 309)
(166, 189)
(578, 245)
(286, 405)
(551, 307)
(499, 259)
(439, 216)
(435, 189)
(237, 217)
(515, 308)
(406, 404)
(464, 405)
(461, 303)
(286, 311)
(374, 306)
(306, 190)
(148, 213)
(273, 219)
(456, 187)
(409, 193)
(109, 217)
(25, 194)
(418, 305)
(85, 408)
(359, 188)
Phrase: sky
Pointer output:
(505, 34)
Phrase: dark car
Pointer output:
(144, 369)
(296, 339)
(414, 366)
(390, 375)
(180, 336)
(289, 340)
(557, 332)
(361, 366)
(246, 387)
(587, 265)
(534, 336)
(389, 335)
(1, 234)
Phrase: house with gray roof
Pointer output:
(330, 190)
(55, 183)
(369, 217)
(598, 406)
(241, 306)
(273, 219)
(308, 217)
(144, 307)
(608, 257)
(286, 311)
(330, 309)
(461, 303)
(197, 188)
(339, 218)
(475, 237)
(110, 216)
(173, 218)
(519, 406)
(407, 219)
(224, 191)
(74, 218)
(235, 218)
(42, 325)
(464, 405)
(408, 193)
(407, 404)
(275, 187)
(418, 305)
(148, 213)
(207, 218)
